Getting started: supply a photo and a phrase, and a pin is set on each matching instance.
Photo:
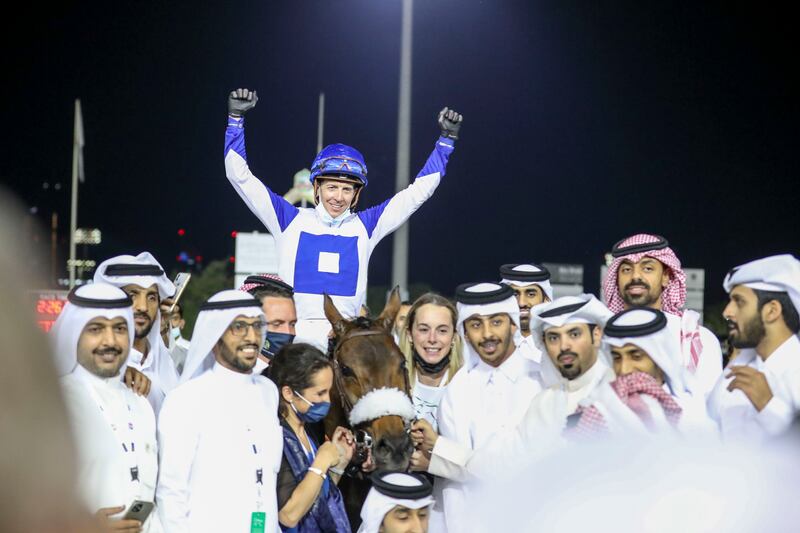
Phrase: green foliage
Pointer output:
(712, 319)
(215, 277)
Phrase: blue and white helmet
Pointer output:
(339, 159)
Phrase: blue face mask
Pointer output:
(274, 342)
(175, 332)
(315, 413)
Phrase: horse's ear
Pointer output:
(386, 319)
(333, 315)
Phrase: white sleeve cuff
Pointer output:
(775, 417)
(449, 459)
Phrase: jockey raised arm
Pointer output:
(326, 249)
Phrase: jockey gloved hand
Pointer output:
(241, 101)
(450, 123)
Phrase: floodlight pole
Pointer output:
(400, 250)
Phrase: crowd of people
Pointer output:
(220, 433)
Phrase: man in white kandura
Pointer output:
(114, 428)
(220, 440)
(397, 503)
(646, 272)
(491, 392)
(651, 395)
(531, 286)
(759, 396)
(143, 279)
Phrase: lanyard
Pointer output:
(129, 444)
(258, 466)
(311, 454)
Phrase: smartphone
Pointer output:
(181, 280)
(138, 510)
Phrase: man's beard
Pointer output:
(574, 370)
(525, 324)
(230, 357)
(106, 372)
(749, 337)
(640, 300)
(145, 330)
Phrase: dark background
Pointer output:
(583, 123)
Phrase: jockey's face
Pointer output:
(630, 358)
(239, 346)
(745, 324)
(336, 195)
(404, 520)
(432, 332)
(572, 348)
(527, 297)
(641, 284)
(492, 336)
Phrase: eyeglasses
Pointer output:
(239, 328)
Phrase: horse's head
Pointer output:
(371, 382)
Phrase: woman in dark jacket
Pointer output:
(308, 498)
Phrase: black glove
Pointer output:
(450, 122)
(241, 101)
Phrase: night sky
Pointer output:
(583, 124)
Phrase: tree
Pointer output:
(215, 277)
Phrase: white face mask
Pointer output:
(175, 333)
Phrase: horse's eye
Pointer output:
(347, 371)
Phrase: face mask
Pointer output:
(274, 342)
(175, 333)
(315, 413)
(429, 368)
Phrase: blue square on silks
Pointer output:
(326, 264)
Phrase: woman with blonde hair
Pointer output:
(433, 351)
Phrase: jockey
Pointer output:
(326, 249)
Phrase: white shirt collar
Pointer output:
(93, 379)
(512, 368)
(587, 378)
(135, 357)
(786, 357)
(231, 376)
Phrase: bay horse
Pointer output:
(371, 395)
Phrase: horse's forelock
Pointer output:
(363, 322)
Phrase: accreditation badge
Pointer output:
(258, 522)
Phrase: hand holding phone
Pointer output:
(109, 524)
(139, 510)
(181, 280)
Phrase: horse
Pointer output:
(371, 395)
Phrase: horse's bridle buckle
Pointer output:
(363, 439)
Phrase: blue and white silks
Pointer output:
(318, 254)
